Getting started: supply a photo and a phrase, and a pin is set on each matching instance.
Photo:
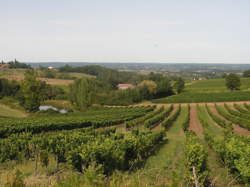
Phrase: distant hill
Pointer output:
(154, 66)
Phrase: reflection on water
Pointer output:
(44, 108)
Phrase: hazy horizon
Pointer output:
(132, 31)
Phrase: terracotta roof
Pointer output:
(125, 86)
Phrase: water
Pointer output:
(45, 108)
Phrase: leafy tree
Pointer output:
(33, 91)
(84, 92)
(233, 82)
(15, 64)
(246, 73)
(164, 88)
(179, 85)
(8, 88)
(147, 89)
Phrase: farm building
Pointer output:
(50, 67)
(125, 86)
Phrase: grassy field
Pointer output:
(18, 75)
(6, 111)
(211, 90)
(214, 85)
(198, 97)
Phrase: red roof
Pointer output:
(125, 86)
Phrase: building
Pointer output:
(50, 67)
(125, 86)
(4, 65)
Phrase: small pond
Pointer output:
(45, 107)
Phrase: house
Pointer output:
(124, 86)
(4, 65)
(50, 67)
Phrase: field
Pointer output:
(197, 138)
(161, 145)
(211, 90)
(18, 75)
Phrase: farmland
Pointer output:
(211, 90)
(198, 136)
(160, 145)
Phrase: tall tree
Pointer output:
(246, 73)
(233, 82)
(164, 87)
(179, 85)
(84, 92)
(33, 91)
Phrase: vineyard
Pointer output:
(155, 145)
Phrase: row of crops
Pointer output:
(111, 150)
(96, 118)
(232, 149)
(114, 151)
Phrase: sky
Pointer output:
(176, 31)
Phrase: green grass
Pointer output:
(214, 85)
(211, 90)
(219, 174)
(6, 111)
(199, 97)
(167, 165)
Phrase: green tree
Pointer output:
(33, 91)
(84, 92)
(179, 85)
(164, 88)
(246, 73)
(233, 82)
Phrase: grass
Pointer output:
(199, 97)
(219, 174)
(166, 167)
(211, 90)
(18, 75)
(214, 85)
(6, 111)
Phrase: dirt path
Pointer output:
(236, 128)
(240, 130)
(194, 124)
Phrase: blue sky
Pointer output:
(195, 31)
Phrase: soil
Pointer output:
(194, 124)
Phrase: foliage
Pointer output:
(164, 88)
(33, 91)
(8, 88)
(84, 92)
(195, 160)
(113, 151)
(237, 120)
(223, 123)
(246, 73)
(151, 122)
(15, 64)
(179, 85)
(141, 120)
(198, 97)
(96, 118)
(187, 119)
(110, 76)
(233, 82)
(241, 109)
(44, 158)
(167, 123)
